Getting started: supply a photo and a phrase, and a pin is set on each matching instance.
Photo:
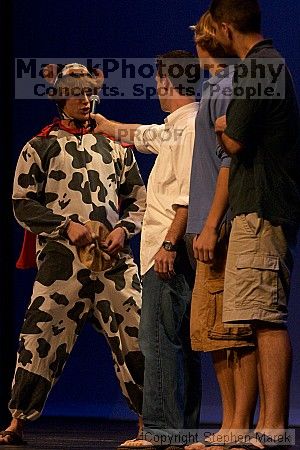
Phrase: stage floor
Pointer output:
(78, 434)
(84, 434)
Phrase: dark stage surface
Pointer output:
(88, 434)
(76, 434)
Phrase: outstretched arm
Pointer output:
(146, 138)
(123, 132)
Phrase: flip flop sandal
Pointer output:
(269, 443)
(14, 438)
(137, 447)
(244, 445)
(206, 444)
(214, 444)
(174, 447)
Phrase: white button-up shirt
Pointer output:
(169, 180)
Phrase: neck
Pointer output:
(179, 101)
(244, 43)
(211, 64)
(73, 123)
(216, 67)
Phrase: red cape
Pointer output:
(27, 257)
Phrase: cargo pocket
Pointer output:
(216, 329)
(257, 280)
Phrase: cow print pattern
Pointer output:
(60, 177)
(57, 314)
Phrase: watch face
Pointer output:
(168, 245)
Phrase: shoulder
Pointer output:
(42, 144)
(186, 121)
(267, 52)
(187, 124)
(226, 80)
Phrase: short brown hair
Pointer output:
(205, 36)
(244, 15)
(186, 82)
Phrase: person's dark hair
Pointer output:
(182, 68)
(244, 15)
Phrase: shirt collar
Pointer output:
(220, 75)
(265, 43)
(181, 112)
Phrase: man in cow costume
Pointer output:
(82, 195)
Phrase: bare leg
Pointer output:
(245, 382)
(140, 425)
(224, 373)
(262, 402)
(275, 356)
(138, 441)
(231, 376)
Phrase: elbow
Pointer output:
(231, 151)
(231, 147)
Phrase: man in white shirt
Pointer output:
(172, 384)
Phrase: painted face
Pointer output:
(78, 107)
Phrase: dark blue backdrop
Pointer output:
(124, 28)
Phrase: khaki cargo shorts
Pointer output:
(257, 275)
(207, 330)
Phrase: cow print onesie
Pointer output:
(62, 176)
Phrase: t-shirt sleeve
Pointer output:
(222, 155)
(242, 113)
(218, 108)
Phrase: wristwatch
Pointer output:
(167, 245)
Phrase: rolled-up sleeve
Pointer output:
(222, 155)
(148, 138)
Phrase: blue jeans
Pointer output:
(172, 381)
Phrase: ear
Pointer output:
(99, 76)
(165, 82)
(230, 32)
(50, 72)
(227, 30)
